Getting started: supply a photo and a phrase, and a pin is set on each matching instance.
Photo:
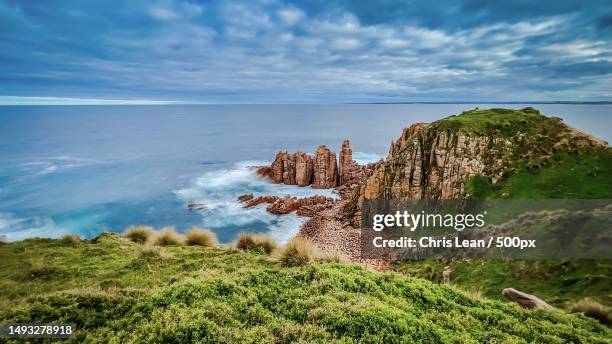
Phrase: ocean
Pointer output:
(89, 169)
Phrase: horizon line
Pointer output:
(72, 101)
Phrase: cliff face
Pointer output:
(435, 160)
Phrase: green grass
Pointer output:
(505, 122)
(586, 176)
(205, 294)
(558, 282)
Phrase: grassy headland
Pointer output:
(114, 293)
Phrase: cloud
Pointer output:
(319, 51)
(290, 15)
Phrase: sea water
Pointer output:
(90, 169)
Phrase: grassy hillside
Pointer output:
(115, 294)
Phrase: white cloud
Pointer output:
(162, 13)
(290, 15)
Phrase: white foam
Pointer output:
(14, 228)
(218, 191)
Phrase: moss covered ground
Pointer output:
(197, 294)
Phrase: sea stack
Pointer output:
(348, 166)
(325, 169)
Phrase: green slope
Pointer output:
(205, 294)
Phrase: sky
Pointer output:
(319, 51)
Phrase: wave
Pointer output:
(218, 191)
(58, 163)
(15, 228)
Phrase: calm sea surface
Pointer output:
(89, 169)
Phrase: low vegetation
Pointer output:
(201, 237)
(208, 294)
(297, 252)
(168, 236)
(255, 242)
(558, 282)
(139, 234)
(71, 239)
(593, 309)
(150, 252)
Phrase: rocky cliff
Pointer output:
(435, 160)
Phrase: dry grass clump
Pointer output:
(201, 237)
(255, 242)
(297, 252)
(150, 251)
(593, 309)
(139, 234)
(71, 239)
(168, 237)
(332, 257)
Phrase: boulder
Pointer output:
(525, 300)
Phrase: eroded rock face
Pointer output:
(325, 169)
(290, 169)
(435, 164)
(304, 169)
(278, 167)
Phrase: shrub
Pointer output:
(139, 234)
(255, 242)
(593, 309)
(168, 236)
(150, 251)
(201, 237)
(297, 252)
(71, 239)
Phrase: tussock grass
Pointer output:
(297, 252)
(332, 257)
(150, 251)
(255, 242)
(139, 234)
(593, 309)
(168, 237)
(201, 237)
(71, 239)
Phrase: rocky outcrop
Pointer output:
(284, 205)
(322, 172)
(325, 169)
(525, 300)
